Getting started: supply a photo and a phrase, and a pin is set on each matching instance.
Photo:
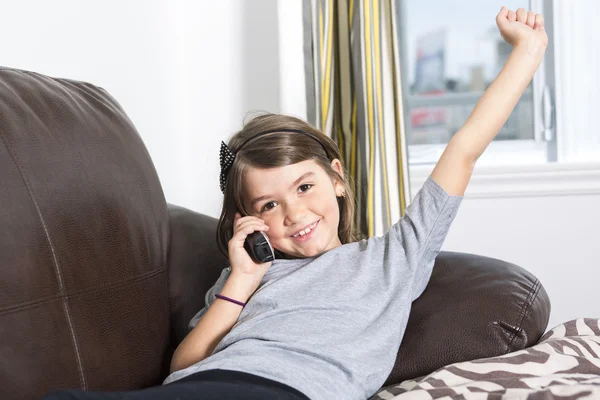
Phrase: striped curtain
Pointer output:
(354, 95)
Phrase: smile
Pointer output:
(306, 231)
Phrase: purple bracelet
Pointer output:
(220, 296)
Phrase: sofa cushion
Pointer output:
(195, 263)
(83, 242)
(473, 307)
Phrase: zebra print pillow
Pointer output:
(564, 364)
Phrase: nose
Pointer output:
(295, 213)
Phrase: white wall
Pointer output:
(187, 73)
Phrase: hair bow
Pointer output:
(226, 158)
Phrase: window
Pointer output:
(450, 58)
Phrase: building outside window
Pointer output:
(449, 58)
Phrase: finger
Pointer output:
(236, 219)
(503, 12)
(502, 16)
(243, 220)
(257, 224)
(243, 233)
(530, 19)
(521, 15)
(512, 16)
(539, 22)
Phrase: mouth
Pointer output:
(306, 233)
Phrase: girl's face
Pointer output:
(295, 198)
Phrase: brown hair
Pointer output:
(277, 150)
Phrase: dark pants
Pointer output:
(204, 385)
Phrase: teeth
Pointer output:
(305, 231)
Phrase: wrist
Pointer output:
(531, 47)
(240, 288)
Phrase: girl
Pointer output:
(326, 318)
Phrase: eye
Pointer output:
(267, 206)
(270, 205)
(307, 186)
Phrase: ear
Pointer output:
(336, 165)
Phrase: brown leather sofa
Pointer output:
(100, 276)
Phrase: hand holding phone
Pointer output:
(250, 252)
(259, 247)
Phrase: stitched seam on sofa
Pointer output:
(524, 310)
(121, 284)
(532, 294)
(54, 262)
(104, 288)
(517, 327)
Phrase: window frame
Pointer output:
(541, 149)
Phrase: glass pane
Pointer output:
(451, 56)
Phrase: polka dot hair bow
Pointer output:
(226, 158)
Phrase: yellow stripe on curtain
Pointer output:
(356, 78)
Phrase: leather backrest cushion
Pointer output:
(84, 236)
(473, 307)
(195, 264)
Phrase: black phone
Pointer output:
(259, 247)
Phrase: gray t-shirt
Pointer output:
(331, 326)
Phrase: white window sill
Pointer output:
(551, 179)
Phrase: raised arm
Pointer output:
(525, 32)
